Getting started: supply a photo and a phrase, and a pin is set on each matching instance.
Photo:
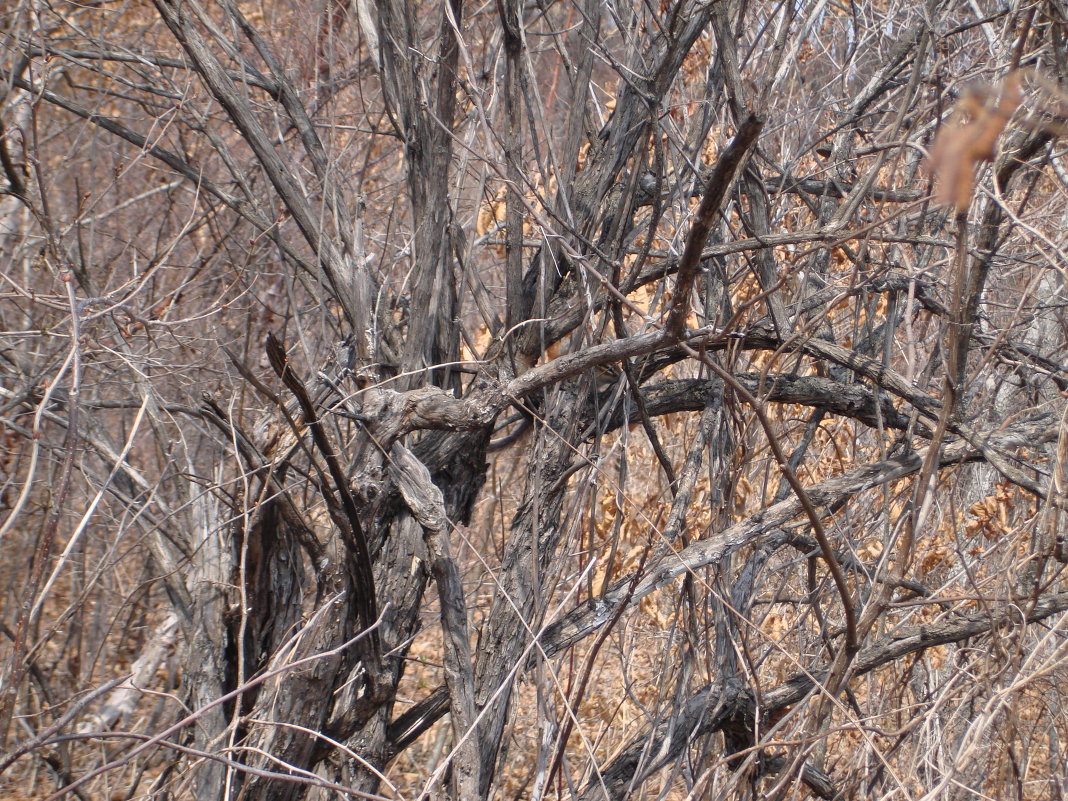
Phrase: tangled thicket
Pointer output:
(557, 400)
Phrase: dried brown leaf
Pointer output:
(969, 138)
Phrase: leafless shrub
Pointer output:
(560, 400)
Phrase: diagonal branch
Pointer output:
(719, 181)
(350, 525)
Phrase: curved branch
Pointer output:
(834, 397)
